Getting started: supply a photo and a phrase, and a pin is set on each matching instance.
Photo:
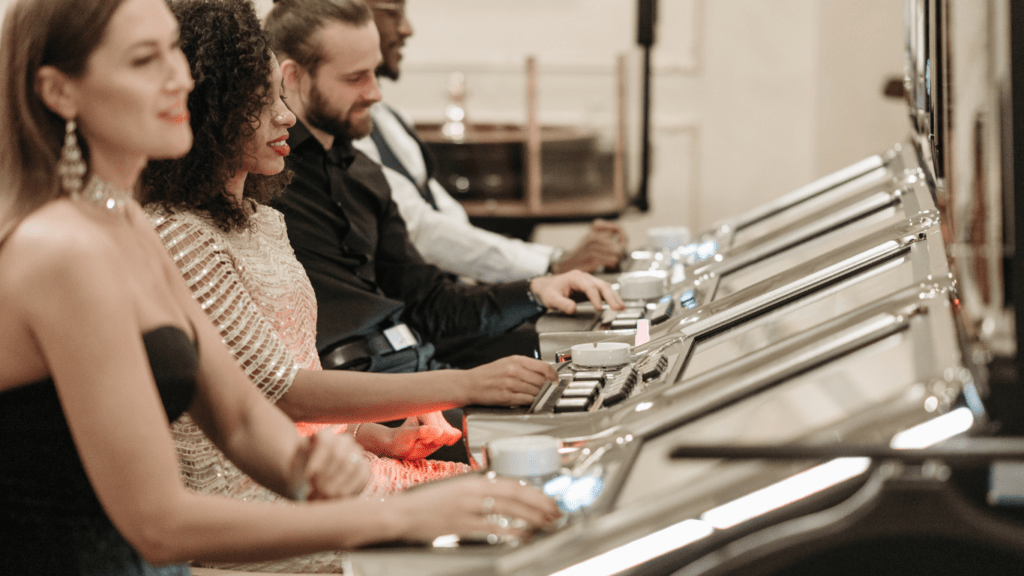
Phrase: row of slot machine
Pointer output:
(792, 392)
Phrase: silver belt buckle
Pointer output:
(400, 337)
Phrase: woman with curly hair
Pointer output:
(232, 249)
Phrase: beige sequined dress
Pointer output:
(258, 296)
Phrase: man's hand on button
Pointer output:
(554, 291)
(602, 247)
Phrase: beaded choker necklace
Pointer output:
(105, 195)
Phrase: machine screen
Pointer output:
(795, 317)
(820, 400)
(773, 224)
(747, 276)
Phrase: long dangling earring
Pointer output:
(70, 167)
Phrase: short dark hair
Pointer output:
(231, 64)
(58, 33)
(293, 27)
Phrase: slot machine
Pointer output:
(817, 407)
(876, 200)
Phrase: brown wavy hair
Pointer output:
(58, 33)
(231, 64)
(293, 27)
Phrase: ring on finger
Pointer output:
(488, 506)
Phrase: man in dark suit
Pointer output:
(380, 305)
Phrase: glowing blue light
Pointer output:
(557, 486)
(573, 494)
(688, 299)
(706, 250)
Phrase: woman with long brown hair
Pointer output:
(110, 346)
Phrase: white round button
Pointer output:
(643, 285)
(667, 237)
(598, 354)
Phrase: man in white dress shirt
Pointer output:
(437, 223)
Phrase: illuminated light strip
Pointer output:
(640, 551)
(934, 431)
(785, 492)
(762, 501)
(833, 472)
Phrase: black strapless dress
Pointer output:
(51, 520)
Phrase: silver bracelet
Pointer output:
(356, 430)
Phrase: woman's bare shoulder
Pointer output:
(56, 243)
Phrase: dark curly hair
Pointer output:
(231, 64)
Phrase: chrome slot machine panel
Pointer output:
(749, 289)
(657, 303)
(889, 375)
(871, 174)
(720, 334)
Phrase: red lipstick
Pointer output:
(177, 115)
(280, 146)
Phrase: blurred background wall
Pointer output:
(751, 98)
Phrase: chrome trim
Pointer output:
(611, 440)
(880, 180)
(731, 312)
(806, 192)
(789, 358)
(837, 219)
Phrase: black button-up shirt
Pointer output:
(348, 234)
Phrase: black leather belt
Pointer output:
(348, 356)
(357, 353)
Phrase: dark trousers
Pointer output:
(470, 352)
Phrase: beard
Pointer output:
(390, 65)
(321, 116)
(386, 70)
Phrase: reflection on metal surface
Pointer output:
(788, 491)
(448, 541)
(723, 383)
(573, 493)
(807, 192)
(716, 286)
(875, 382)
(821, 226)
(832, 473)
(642, 550)
(804, 283)
(934, 431)
(798, 316)
(750, 273)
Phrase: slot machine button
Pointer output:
(571, 405)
